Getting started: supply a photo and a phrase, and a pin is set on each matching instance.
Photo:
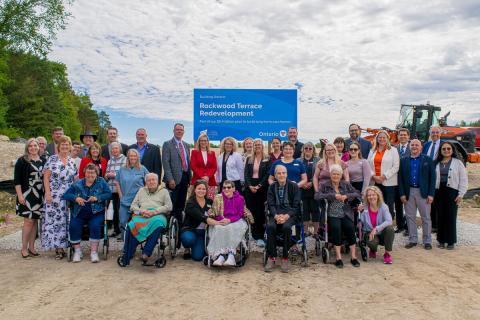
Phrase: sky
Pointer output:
(353, 61)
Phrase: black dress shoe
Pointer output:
(441, 245)
(398, 230)
(339, 264)
(410, 245)
(355, 263)
(450, 247)
(428, 246)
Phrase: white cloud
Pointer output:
(357, 60)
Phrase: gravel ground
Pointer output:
(468, 235)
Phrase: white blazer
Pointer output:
(457, 177)
(390, 165)
(235, 167)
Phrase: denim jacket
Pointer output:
(99, 189)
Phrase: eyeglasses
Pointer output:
(308, 148)
(353, 149)
(227, 187)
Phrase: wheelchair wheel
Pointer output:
(173, 237)
(160, 262)
(70, 253)
(120, 262)
(318, 248)
(363, 252)
(105, 249)
(305, 258)
(325, 255)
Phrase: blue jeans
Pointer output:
(94, 221)
(124, 213)
(131, 243)
(194, 239)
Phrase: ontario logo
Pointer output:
(283, 133)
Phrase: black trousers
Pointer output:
(256, 204)
(389, 196)
(310, 210)
(399, 214)
(115, 223)
(341, 226)
(447, 214)
(434, 212)
(274, 229)
(179, 197)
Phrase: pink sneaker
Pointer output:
(387, 258)
(372, 254)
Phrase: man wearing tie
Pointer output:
(176, 165)
(404, 151)
(431, 149)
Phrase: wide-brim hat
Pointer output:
(88, 133)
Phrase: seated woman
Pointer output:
(339, 194)
(228, 210)
(89, 195)
(377, 224)
(149, 207)
(197, 209)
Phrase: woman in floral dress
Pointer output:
(59, 174)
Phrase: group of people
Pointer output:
(68, 184)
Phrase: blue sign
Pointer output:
(242, 113)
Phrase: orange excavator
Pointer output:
(419, 118)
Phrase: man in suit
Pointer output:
(112, 136)
(57, 133)
(416, 183)
(293, 138)
(432, 149)
(404, 151)
(149, 153)
(365, 145)
(176, 165)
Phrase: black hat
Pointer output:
(88, 133)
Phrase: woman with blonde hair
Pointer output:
(247, 146)
(204, 164)
(130, 179)
(58, 174)
(257, 169)
(385, 162)
(322, 169)
(27, 178)
(376, 223)
(230, 165)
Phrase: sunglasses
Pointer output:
(227, 187)
(353, 149)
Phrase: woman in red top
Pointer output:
(276, 153)
(203, 163)
(93, 156)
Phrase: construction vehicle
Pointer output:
(419, 118)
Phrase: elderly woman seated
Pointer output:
(89, 195)
(376, 223)
(228, 211)
(149, 207)
(339, 195)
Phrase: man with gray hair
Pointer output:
(416, 185)
(283, 200)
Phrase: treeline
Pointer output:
(469, 124)
(35, 93)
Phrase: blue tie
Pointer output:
(432, 151)
(402, 151)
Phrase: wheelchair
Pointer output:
(297, 239)
(86, 235)
(323, 247)
(242, 251)
(168, 238)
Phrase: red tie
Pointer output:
(182, 155)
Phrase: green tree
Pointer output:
(31, 25)
(104, 123)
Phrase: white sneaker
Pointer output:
(260, 243)
(230, 261)
(77, 256)
(94, 257)
(219, 262)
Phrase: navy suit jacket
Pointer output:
(365, 146)
(426, 181)
(407, 151)
(427, 145)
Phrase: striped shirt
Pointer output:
(114, 164)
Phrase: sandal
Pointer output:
(26, 256)
(35, 254)
(59, 255)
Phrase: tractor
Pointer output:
(419, 118)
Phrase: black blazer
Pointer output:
(151, 158)
(195, 214)
(263, 172)
(426, 181)
(106, 154)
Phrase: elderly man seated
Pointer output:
(283, 200)
(149, 208)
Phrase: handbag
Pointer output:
(109, 214)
